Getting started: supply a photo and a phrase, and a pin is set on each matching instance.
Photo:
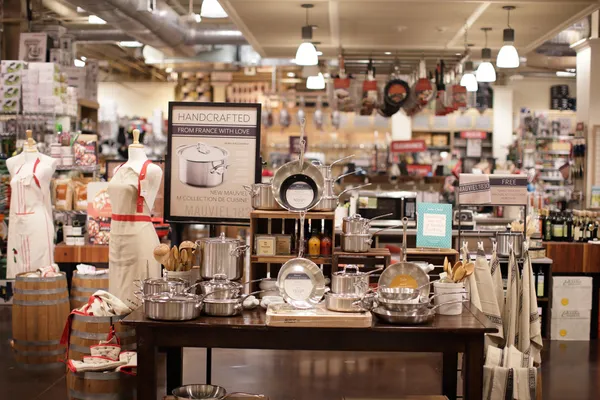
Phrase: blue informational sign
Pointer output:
(434, 225)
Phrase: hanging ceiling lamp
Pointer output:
(307, 52)
(508, 56)
(212, 9)
(468, 79)
(316, 82)
(486, 72)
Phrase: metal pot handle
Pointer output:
(346, 174)
(219, 169)
(252, 190)
(139, 295)
(238, 251)
(340, 160)
(138, 283)
(350, 266)
(244, 394)
(446, 304)
(385, 229)
(354, 188)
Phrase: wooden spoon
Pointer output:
(446, 265)
(458, 273)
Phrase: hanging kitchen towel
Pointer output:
(497, 277)
(530, 332)
(494, 356)
(487, 297)
(474, 189)
(501, 383)
(510, 318)
(470, 283)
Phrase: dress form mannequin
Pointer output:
(31, 229)
(132, 192)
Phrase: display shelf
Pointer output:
(284, 259)
(291, 215)
(551, 179)
(556, 152)
(372, 258)
(88, 253)
(88, 103)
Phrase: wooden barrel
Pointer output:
(100, 386)
(87, 330)
(83, 286)
(40, 309)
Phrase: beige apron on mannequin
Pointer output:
(30, 229)
(132, 235)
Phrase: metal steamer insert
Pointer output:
(298, 187)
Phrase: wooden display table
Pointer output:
(372, 258)
(446, 334)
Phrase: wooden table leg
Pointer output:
(473, 373)
(174, 368)
(450, 375)
(146, 369)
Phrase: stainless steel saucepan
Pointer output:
(356, 224)
(330, 203)
(262, 196)
(360, 242)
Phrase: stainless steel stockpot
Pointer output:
(172, 306)
(202, 164)
(222, 255)
(262, 196)
(350, 281)
(360, 242)
(506, 240)
(356, 224)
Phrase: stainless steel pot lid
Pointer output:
(202, 152)
(222, 301)
(301, 283)
(220, 239)
(220, 281)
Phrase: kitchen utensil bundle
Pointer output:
(457, 274)
(176, 258)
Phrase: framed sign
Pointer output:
(408, 146)
(213, 151)
(434, 225)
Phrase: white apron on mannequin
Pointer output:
(132, 235)
(30, 228)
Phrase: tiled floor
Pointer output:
(571, 371)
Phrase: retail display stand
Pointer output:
(376, 257)
(284, 222)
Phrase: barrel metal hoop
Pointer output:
(87, 289)
(36, 343)
(98, 320)
(99, 335)
(36, 367)
(61, 277)
(41, 353)
(37, 292)
(40, 303)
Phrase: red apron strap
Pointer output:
(141, 177)
(37, 181)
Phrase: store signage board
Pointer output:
(508, 189)
(441, 122)
(213, 151)
(420, 121)
(408, 146)
(473, 147)
(434, 225)
(463, 122)
(473, 135)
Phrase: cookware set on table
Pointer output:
(403, 291)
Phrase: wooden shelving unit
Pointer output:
(285, 222)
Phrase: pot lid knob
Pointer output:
(202, 148)
(222, 237)
(219, 277)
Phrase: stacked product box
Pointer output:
(44, 89)
(84, 80)
(12, 72)
(571, 308)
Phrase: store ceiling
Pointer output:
(403, 27)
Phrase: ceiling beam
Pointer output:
(468, 23)
(334, 23)
(237, 20)
(565, 24)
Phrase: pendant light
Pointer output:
(486, 72)
(468, 79)
(316, 82)
(212, 9)
(307, 52)
(508, 56)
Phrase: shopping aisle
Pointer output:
(570, 371)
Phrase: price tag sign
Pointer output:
(434, 225)
(508, 189)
